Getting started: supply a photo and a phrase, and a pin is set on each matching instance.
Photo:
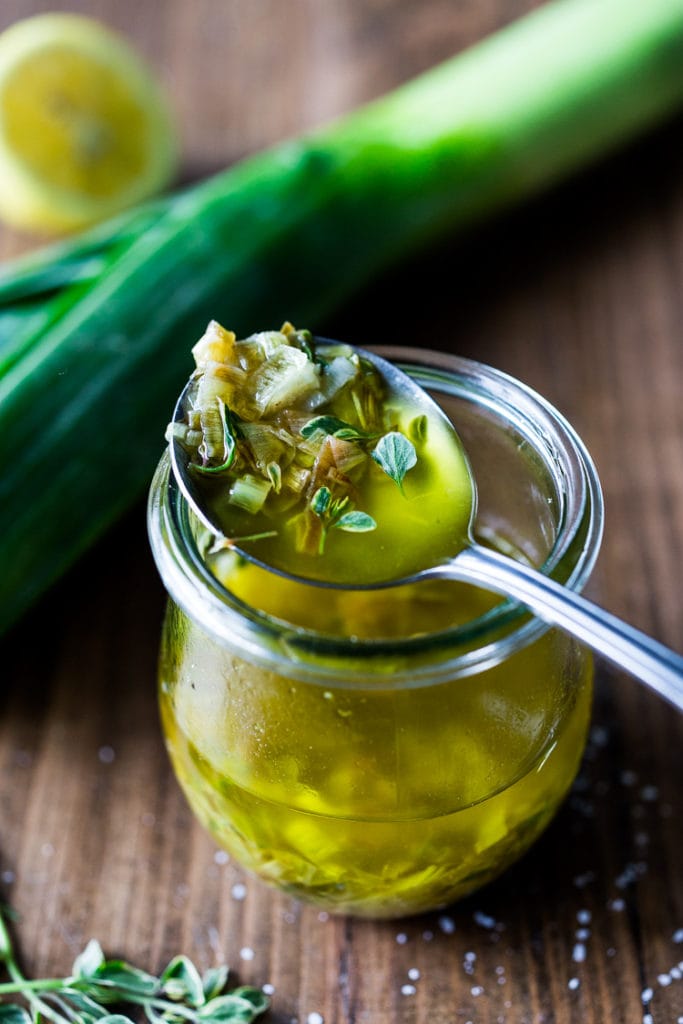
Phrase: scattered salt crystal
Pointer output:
(500, 969)
(408, 990)
(611, 951)
(401, 938)
(648, 1018)
(268, 989)
(583, 916)
(484, 920)
(477, 990)
(649, 794)
(247, 953)
(676, 973)
(446, 924)
(106, 755)
(573, 983)
(428, 936)
(470, 957)
(599, 736)
(628, 778)
(581, 881)
(617, 904)
(221, 857)
(315, 1018)
(414, 974)
(582, 934)
(239, 891)
(664, 979)
(579, 953)
(501, 979)
(8, 877)
(646, 995)
(323, 916)
(678, 935)
(289, 917)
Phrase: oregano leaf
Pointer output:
(395, 455)
(356, 522)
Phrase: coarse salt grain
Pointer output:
(477, 990)
(617, 904)
(408, 990)
(446, 924)
(664, 979)
(428, 936)
(268, 989)
(247, 953)
(323, 916)
(579, 953)
(239, 891)
(646, 995)
(221, 857)
(401, 938)
(648, 1018)
(8, 877)
(106, 755)
(315, 1018)
(582, 934)
(583, 916)
(573, 983)
(414, 974)
(483, 920)
(678, 935)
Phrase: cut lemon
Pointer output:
(84, 129)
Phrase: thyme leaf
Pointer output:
(355, 522)
(395, 455)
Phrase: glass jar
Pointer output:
(380, 769)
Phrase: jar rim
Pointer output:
(467, 648)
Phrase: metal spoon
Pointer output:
(626, 647)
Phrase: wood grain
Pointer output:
(579, 294)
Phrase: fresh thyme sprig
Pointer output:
(98, 989)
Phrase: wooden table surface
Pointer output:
(579, 295)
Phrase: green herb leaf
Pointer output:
(229, 441)
(10, 1013)
(214, 981)
(320, 501)
(258, 999)
(336, 427)
(88, 961)
(116, 1018)
(115, 980)
(181, 981)
(227, 1009)
(275, 476)
(395, 455)
(356, 522)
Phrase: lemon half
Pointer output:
(84, 129)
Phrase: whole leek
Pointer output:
(95, 333)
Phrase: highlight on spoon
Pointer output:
(319, 459)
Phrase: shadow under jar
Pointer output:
(384, 753)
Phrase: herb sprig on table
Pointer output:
(101, 991)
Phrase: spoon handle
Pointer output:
(623, 645)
